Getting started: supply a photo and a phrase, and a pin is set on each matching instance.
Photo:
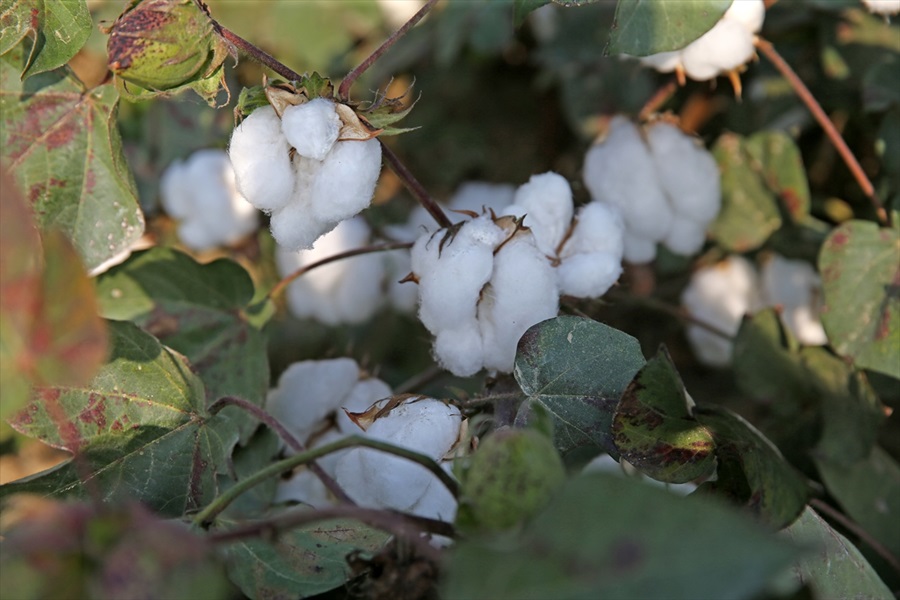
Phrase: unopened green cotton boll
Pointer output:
(510, 478)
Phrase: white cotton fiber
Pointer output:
(664, 62)
(750, 14)
(638, 250)
(295, 226)
(883, 7)
(685, 236)
(303, 486)
(460, 350)
(311, 128)
(725, 47)
(591, 259)
(345, 182)
(620, 171)
(437, 502)
(260, 156)
(588, 275)
(175, 192)
(546, 203)
(795, 287)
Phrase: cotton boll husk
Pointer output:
(796, 287)
(664, 62)
(751, 14)
(460, 350)
(883, 7)
(723, 48)
(175, 191)
(345, 183)
(620, 171)
(522, 292)
(363, 395)
(686, 236)
(546, 203)
(688, 173)
(311, 128)
(307, 391)
(638, 250)
(260, 156)
(720, 296)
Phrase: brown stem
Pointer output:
(256, 53)
(767, 49)
(281, 285)
(656, 101)
(861, 533)
(344, 89)
(415, 188)
(409, 527)
(288, 438)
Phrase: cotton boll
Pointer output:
(175, 191)
(295, 228)
(307, 391)
(591, 259)
(311, 128)
(688, 173)
(303, 486)
(194, 234)
(796, 288)
(460, 350)
(638, 250)
(723, 48)
(685, 236)
(664, 62)
(363, 395)
(522, 292)
(437, 503)
(546, 203)
(345, 183)
(620, 171)
(720, 296)
(588, 275)
(259, 154)
(883, 7)
(751, 14)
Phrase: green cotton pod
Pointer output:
(164, 44)
(510, 478)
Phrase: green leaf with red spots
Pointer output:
(51, 332)
(198, 310)
(860, 268)
(604, 536)
(654, 430)
(576, 369)
(61, 144)
(644, 28)
(58, 29)
(777, 160)
(749, 213)
(139, 427)
(751, 470)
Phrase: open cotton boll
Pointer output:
(437, 503)
(685, 236)
(720, 296)
(175, 191)
(638, 250)
(687, 171)
(726, 46)
(664, 62)
(345, 182)
(591, 259)
(345, 291)
(303, 486)
(363, 395)
(294, 226)
(546, 203)
(311, 128)
(260, 156)
(883, 7)
(511, 302)
(750, 14)
(620, 171)
(460, 350)
(794, 286)
(308, 391)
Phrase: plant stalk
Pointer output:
(415, 188)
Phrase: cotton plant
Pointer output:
(200, 193)
(724, 49)
(721, 294)
(310, 163)
(664, 183)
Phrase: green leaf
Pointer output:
(140, 428)
(614, 538)
(62, 145)
(654, 429)
(521, 8)
(869, 491)
(836, 569)
(576, 369)
(860, 267)
(643, 28)
(777, 159)
(261, 451)
(199, 311)
(749, 213)
(302, 562)
(880, 90)
(59, 28)
(751, 470)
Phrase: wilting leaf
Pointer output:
(654, 430)
(860, 267)
(139, 427)
(608, 537)
(61, 144)
(576, 369)
(644, 28)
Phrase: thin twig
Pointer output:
(281, 285)
(861, 533)
(257, 54)
(344, 89)
(205, 516)
(415, 188)
(288, 438)
(409, 527)
(831, 131)
(658, 99)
